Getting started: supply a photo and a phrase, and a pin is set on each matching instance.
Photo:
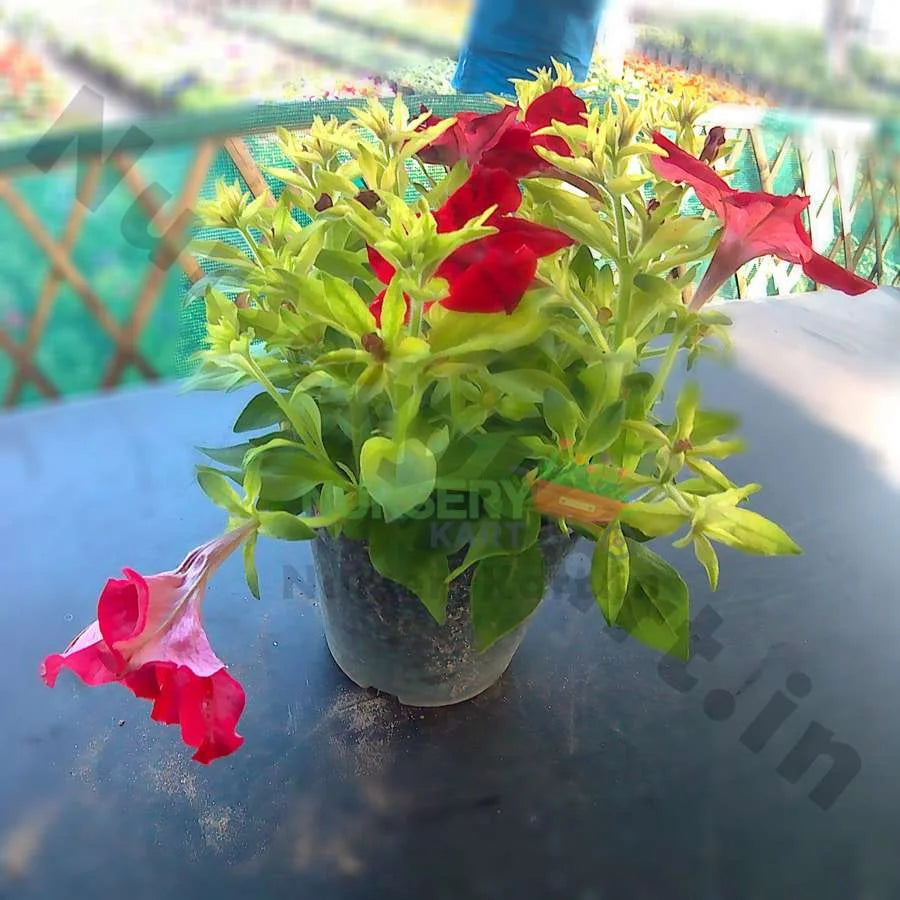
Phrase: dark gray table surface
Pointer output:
(584, 774)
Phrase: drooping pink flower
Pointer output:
(755, 224)
(149, 636)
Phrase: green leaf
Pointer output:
(228, 456)
(686, 409)
(220, 250)
(468, 457)
(706, 556)
(458, 333)
(447, 185)
(699, 487)
(400, 551)
(625, 184)
(629, 447)
(528, 385)
(720, 449)
(230, 279)
(609, 571)
(656, 609)
(746, 530)
(634, 535)
(562, 416)
(250, 573)
(393, 311)
(583, 266)
(657, 519)
(284, 526)
(709, 424)
(216, 486)
(252, 485)
(493, 537)
(672, 235)
(710, 472)
(603, 431)
(261, 412)
(346, 306)
(505, 591)
(288, 471)
(307, 419)
(398, 476)
(343, 264)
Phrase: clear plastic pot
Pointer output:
(382, 636)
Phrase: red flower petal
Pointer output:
(468, 138)
(481, 190)
(87, 656)
(680, 166)
(514, 153)
(383, 270)
(559, 104)
(210, 709)
(826, 271)
(770, 223)
(541, 240)
(497, 284)
(512, 233)
(481, 132)
(445, 150)
(122, 611)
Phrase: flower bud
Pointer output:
(373, 344)
(715, 137)
(369, 199)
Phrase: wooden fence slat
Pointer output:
(156, 274)
(23, 361)
(68, 270)
(243, 159)
(134, 180)
(53, 281)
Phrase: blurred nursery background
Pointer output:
(165, 96)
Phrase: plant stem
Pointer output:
(424, 171)
(415, 316)
(583, 185)
(251, 243)
(583, 313)
(621, 230)
(284, 406)
(590, 323)
(665, 369)
(625, 273)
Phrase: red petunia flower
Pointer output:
(490, 274)
(468, 138)
(756, 224)
(500, 140)
(149, 637)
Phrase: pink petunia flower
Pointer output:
(149, 636)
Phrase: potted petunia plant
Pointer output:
(460, 353)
